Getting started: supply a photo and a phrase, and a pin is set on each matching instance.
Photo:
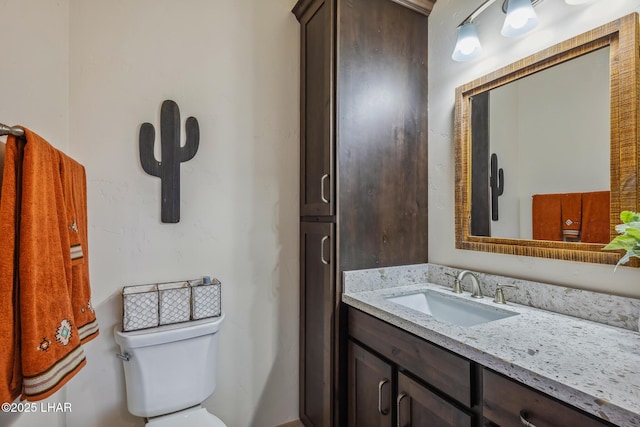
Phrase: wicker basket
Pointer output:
(139, 307)
(174, 300)
(206, 299)
(153, 305)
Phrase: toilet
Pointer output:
(170, 370)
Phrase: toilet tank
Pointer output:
(171, 367)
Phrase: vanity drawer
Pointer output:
(440, 368)
(504, 400)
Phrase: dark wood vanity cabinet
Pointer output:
(363, 169)
(406, 382)
(380, 395)
(398, 379)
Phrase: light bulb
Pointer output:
(467, 45)
(521, 18)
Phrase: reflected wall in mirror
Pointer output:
(547, 148)
(549, 134)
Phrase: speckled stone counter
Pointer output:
(592, 366)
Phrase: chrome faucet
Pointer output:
(475, 290)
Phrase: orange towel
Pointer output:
(75, 195)
(55, 314)
(10, 370)
(547, 216)
(2, 148)
(596, 227)
(571, 216)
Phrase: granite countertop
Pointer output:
(589, 365)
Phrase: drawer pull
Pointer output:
(524, 420)
(322, 258)
(380, 385)
(398, 401)
(324, 199)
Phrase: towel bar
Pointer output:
(11, 130)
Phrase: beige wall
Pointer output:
(34, 71)
(558, 21)
(234, 65)
(34, 92)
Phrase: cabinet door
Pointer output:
(317, 293)
(381, 134)
(369, 389)
(419, 407)
(316, 110)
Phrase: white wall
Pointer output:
(35, 93)
(234, 65)
(556, 122)
(504, 108)
(558, 21)
(34, 70)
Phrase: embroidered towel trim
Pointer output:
(54, 315)
(571, 216)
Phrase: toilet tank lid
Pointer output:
(167, 333)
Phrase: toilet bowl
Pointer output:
(192, 417)
(170, 370)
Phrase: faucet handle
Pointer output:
(499, 296)
(457, 289)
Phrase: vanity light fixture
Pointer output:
(468, 46)
(520, 19)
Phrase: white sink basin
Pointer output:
(451, 309)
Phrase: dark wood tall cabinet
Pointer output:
(363, 183)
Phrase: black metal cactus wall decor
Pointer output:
(496, 181)
(168, 169)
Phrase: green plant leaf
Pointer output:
(633, 224)
(629, 238)
(614, 246)
(621, 242)
(628, 216)
(634, 233)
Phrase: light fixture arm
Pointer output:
(520, 19)
(484, 7)
(477, 12)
